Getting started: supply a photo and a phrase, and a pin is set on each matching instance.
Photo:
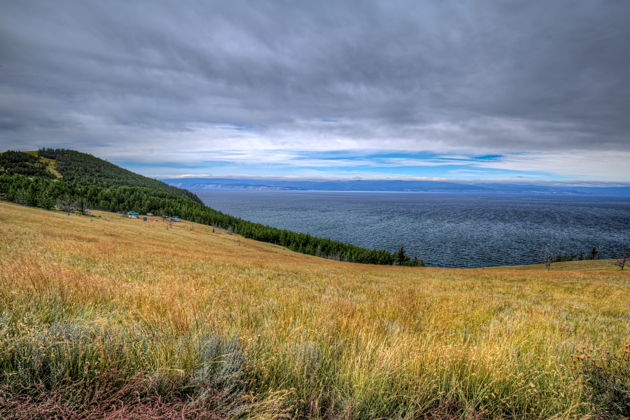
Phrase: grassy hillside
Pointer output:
(582, 265)
(58, 178)
(112, 316)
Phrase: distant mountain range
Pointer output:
(460, 187)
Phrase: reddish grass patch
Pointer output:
(128, 401)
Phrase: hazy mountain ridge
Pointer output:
(464, 187)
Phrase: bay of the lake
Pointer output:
(446, 230)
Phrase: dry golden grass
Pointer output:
(277, 333)
(584, 265)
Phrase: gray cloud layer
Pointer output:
(499, 76)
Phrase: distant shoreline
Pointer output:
(401, 186)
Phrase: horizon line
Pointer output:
(430, 179)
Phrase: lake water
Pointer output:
(444, 230)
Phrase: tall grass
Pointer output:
(116, 317)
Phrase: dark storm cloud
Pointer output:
(506, 76)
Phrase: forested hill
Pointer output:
(58, 178)
(82, 168)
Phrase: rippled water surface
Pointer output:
(444, 230)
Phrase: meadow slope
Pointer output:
(113, 317)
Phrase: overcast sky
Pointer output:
(456, 89)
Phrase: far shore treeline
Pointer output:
(52, 178)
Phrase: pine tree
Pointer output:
(401, 256)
